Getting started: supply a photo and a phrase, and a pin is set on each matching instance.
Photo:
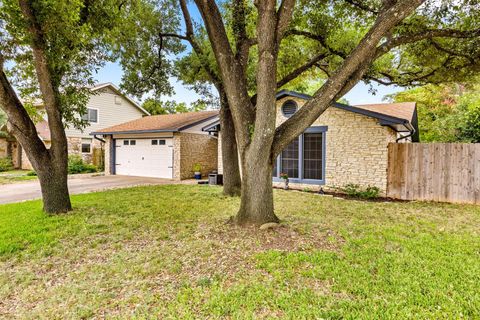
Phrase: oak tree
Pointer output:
(390, 42)
(49, 52)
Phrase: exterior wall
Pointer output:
(220, 156)
(3, 148)
(109, 113)
(194, 148)
(108, 155)
(356, 148)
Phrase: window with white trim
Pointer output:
(91, 116)
(86, 145)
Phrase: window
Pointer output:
(161, 142)
(312, 156)
(86, 145)
(303, 160)
(133, 142)
(289, 108)
(126, 142)
(289, 159)
(91, 115)
(154, 142)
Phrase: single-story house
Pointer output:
(162, 146)
(106, 107)
(345, 145)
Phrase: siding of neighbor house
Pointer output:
(356, 147)
(109, 113)
(188, 149)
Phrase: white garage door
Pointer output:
(144, 157)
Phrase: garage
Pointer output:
(144, 157)
(170, 146)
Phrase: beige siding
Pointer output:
(109, 113)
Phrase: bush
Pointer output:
(31, 174)
(6, 164)
(354, 190)
(76, 165)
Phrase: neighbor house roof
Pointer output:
(117, 91)
(161, 123)
(38, 103)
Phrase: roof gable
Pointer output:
(117, 91)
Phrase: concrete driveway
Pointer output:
(17, 192)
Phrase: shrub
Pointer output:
(76, 165)
(31, 174)
(197, 167)
(6, 164)
(356, 191)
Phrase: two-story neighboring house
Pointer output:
(107, 107)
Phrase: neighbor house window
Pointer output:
(86, 145)
(91, 116)
(303, 160)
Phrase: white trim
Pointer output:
(117, 90)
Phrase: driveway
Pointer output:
(17, 192)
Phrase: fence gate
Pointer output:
(447, 172)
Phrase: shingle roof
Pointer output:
(403, 110)
(161, 123)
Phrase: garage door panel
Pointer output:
(144, 158)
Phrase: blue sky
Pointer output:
(360, 94)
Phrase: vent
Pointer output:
(289, 108)
(118, 100)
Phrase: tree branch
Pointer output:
(361, 5)
(284, 16)
(297, 72)
(427, 34)
(321, 39)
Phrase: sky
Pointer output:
(360, 94)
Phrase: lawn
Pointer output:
(15, 176)
(166, 252)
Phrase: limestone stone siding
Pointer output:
(107, 148)
(220, 156)
(356, 147)
(191, 148)
(3, 148)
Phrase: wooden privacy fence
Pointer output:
(448, 172)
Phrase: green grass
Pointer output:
(166, 252)
(13, 176)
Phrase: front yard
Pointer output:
(166, 252)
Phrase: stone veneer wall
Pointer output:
(3, 147)
(191, 148)
(74, 147)
(356, 148)
(108, 143)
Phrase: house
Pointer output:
(345, 145)
(161, 146)
(106, 107)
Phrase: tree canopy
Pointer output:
(156, 107)
(446, 112)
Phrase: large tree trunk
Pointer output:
(231, 171)
(53, 182)
(256, 206)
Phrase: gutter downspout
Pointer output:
(410, 128)
(97, 138)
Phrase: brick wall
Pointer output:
(356, 147)
(191, 148)
(3, 147)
